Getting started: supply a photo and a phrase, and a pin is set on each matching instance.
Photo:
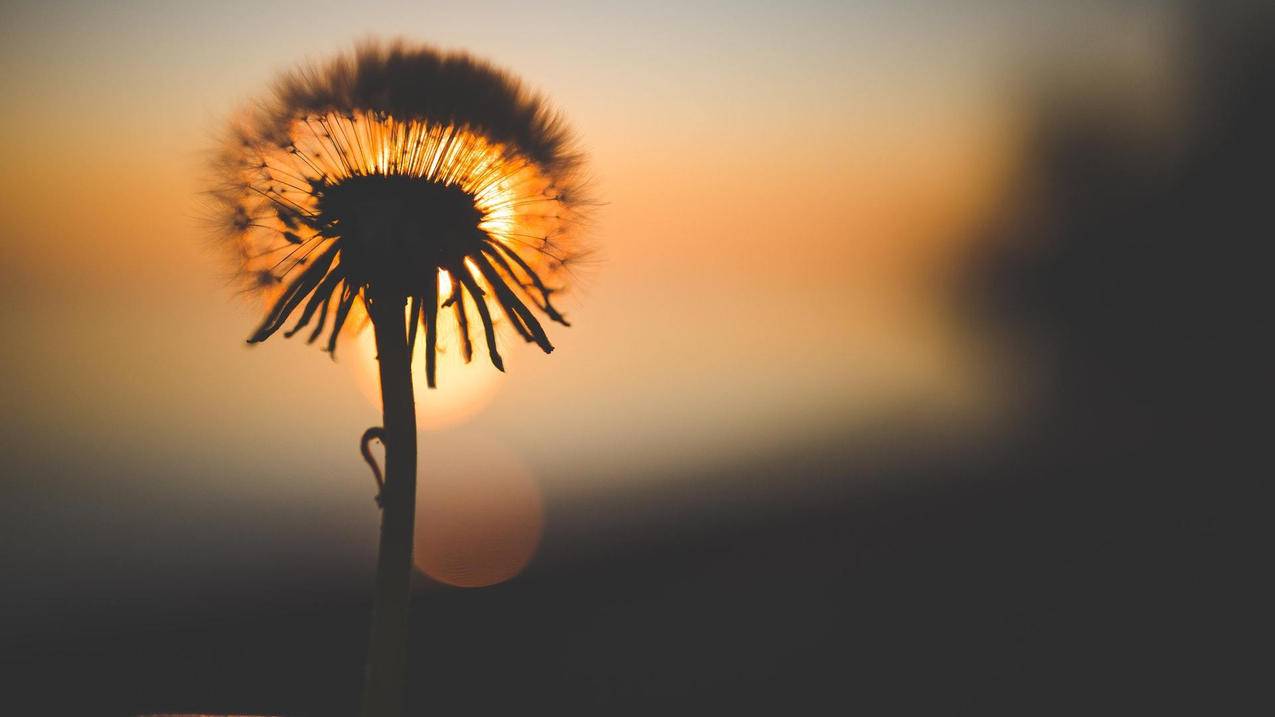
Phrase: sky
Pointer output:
(784, 188)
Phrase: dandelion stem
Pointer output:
(385, 689)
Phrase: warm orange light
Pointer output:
(460, 394)
(444, 285)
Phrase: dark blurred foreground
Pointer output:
(1077, 565)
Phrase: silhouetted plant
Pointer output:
(412, 184)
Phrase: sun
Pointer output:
(459, 395)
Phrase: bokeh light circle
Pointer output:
(479, 512)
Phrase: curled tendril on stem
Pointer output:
(375, 433)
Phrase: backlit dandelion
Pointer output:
(416, 188)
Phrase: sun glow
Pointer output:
(444, 285)
(518, 204)
(457, 398)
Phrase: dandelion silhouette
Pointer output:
(413, 185)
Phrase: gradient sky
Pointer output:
(784, 186)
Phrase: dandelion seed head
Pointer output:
(398, 171)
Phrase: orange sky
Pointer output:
(783, 191)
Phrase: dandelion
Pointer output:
(413, 187)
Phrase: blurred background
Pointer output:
(900, 378)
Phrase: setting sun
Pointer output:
(461, 393)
